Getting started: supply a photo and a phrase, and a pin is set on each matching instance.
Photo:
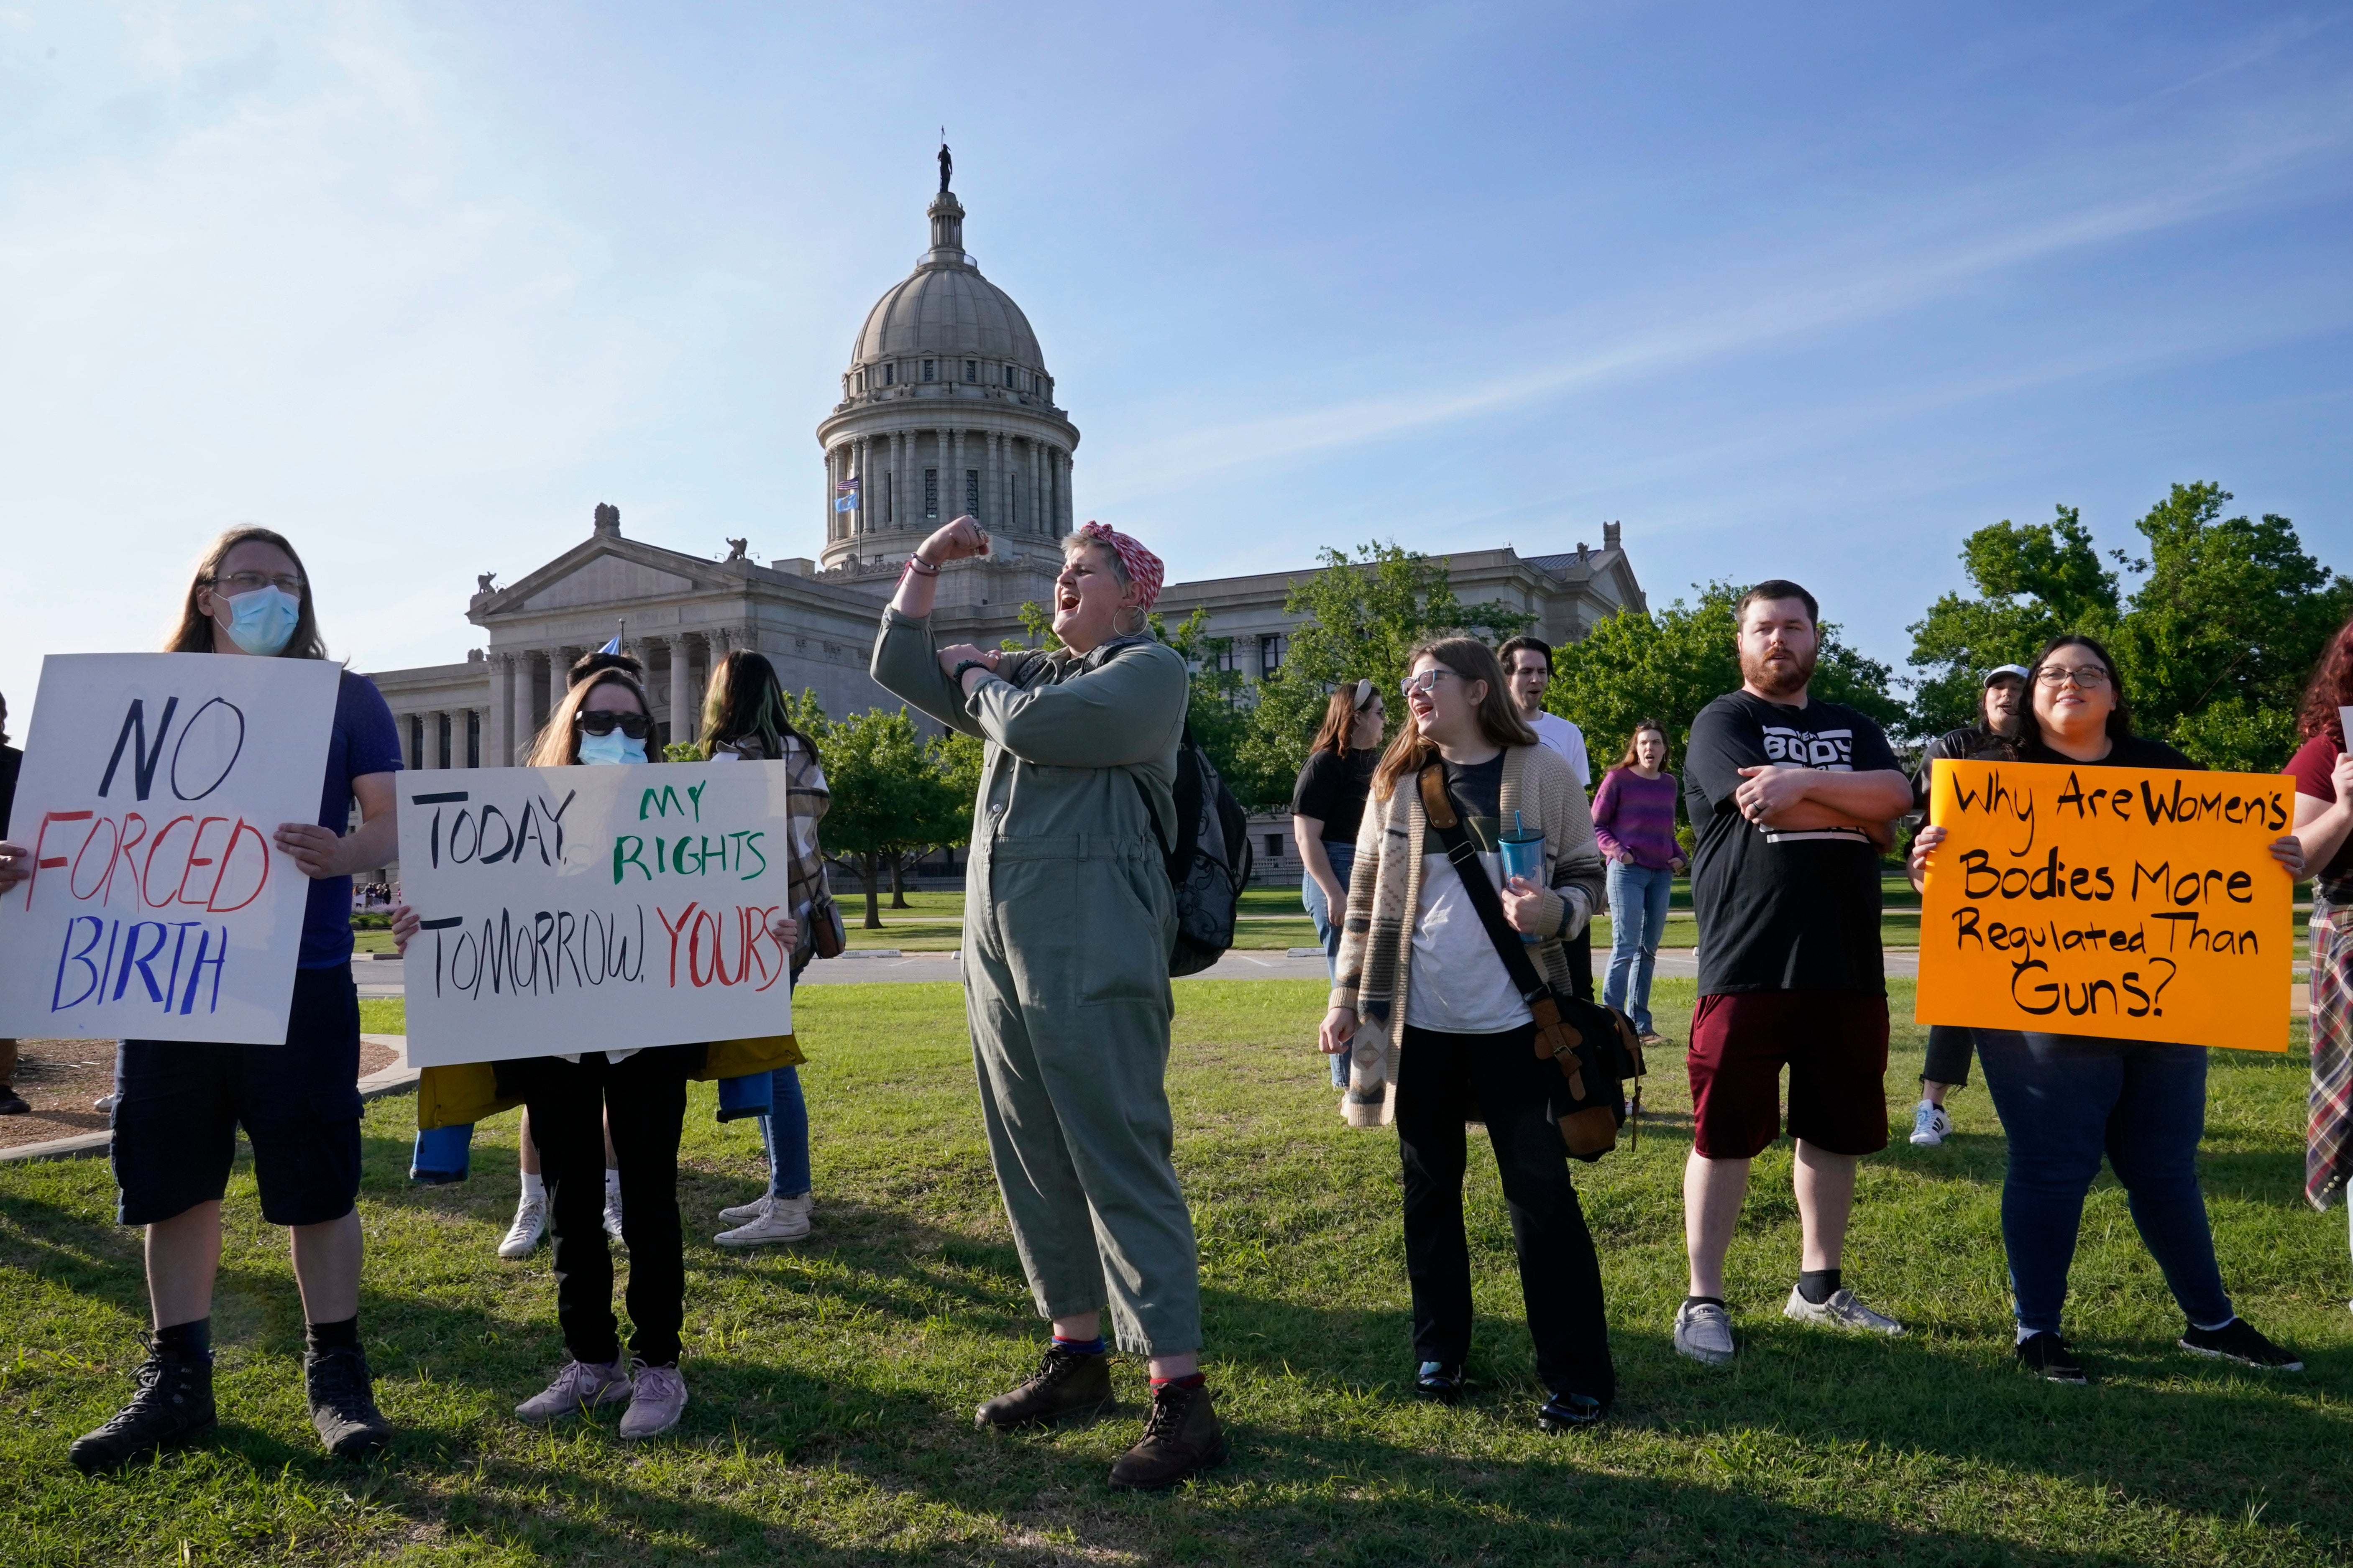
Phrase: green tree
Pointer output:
(1667, 664)
(891, 796)
(1363, 616)
(2214, 644)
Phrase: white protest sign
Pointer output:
(588, 909)
(158, 908)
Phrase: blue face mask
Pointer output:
(263, 621)
(613, 748)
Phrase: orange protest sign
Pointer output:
(2132, 904)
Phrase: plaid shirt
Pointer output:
(806, 798)
(2328, 1139)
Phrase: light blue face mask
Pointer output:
(613, 748)
(264, 620)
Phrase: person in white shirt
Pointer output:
(1527, 673)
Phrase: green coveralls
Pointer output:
(1068, 922)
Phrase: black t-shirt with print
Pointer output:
(1782, 912)
(1478, 792)
(1332, 789)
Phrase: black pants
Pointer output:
(645, 1097)
(1443, 1080)
(1581, 963)
(1949, 1047)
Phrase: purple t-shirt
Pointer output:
(365, 740)
(1636, 815)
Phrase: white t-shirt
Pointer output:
(1459, 986)
(1567, 740)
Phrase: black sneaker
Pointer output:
(2046, 1355)
(1437, 1381)
(174, 1402)
(2238, 1341)
(1065, 1385)
(1570, 1413)
(342, 1404)
(12, 1104)
(1182, 1439)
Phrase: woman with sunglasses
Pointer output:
(1326, 807)
(179, 1105)
(1439, 1035)
(2065, 1101)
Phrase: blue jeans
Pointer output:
(2065, 1099)
(1328, 924)
(1638, 919)
(783, 1132)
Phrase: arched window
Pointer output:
(927, 369)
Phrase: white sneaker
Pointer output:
(1929, 1124)
(613, 1213)
(753, 1210)
(530, 1228)
(785, 1219)
(578, 1387)
(659, 1400)
(105, 1102)
(1840, 1312)
(1704, 1332)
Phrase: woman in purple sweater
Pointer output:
(1634, 819)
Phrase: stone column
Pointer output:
(1000, 515)
(495, 720)
(896, 501)
(946, 511)
(1068, 517)
(681, 694)
(865, 479)
(1034, 515)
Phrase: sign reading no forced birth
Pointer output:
(2129, 903)
(588, 909)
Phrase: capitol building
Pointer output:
(947, 407)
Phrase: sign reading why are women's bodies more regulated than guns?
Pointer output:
(2126, 904)
(159, 907)
(582, 909)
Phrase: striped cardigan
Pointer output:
(1376, 965)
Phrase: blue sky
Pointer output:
(1801, 292)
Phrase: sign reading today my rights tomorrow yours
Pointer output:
(2129, 903)
(586, 908)
(159, 908)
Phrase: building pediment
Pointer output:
(607, 572)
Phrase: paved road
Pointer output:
(385, 977)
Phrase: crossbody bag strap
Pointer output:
(1444, 821)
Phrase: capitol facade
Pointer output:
(947, 407)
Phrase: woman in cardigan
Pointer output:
(1439, 1035)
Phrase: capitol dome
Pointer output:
(946, 408)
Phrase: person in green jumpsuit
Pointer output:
(1069, 918)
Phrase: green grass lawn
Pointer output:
(833, 1383)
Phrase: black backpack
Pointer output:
(1209, 863)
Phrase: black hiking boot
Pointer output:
(1064, 1386)
(174, 1402)
(1182, 1439)
(342, 1404)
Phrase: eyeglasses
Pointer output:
(242, 582)
(1427, 681)
(601, 721)
(2091, 678)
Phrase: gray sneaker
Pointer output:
(657, 1405)
(1704, 1332)
(580, 1387)
(1840, 1312)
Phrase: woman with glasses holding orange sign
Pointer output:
(2066, 1100)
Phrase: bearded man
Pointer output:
(1791, 799)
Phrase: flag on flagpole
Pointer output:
(846, 494)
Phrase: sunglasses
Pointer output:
(593, 721)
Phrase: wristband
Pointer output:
(957, 677)
(917, 564)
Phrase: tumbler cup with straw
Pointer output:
(1523, 855)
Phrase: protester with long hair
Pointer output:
(1326, 806)
(1069, 921)
(1634, 822)
(744, 717)
(1436, 1033)
(2066, 1100)
(2002, 714)
(179, 1104)
(2323, 772)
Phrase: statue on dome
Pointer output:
(483, 582)
(736, 547)
(947, 167)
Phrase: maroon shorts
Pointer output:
(1834, 1044)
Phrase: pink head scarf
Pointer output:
(1143, 568)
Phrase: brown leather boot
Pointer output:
(1063, 1387)
(1182, 1438)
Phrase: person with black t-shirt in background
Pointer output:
(1325, 809)
(1791, 799)
(2001, 711)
